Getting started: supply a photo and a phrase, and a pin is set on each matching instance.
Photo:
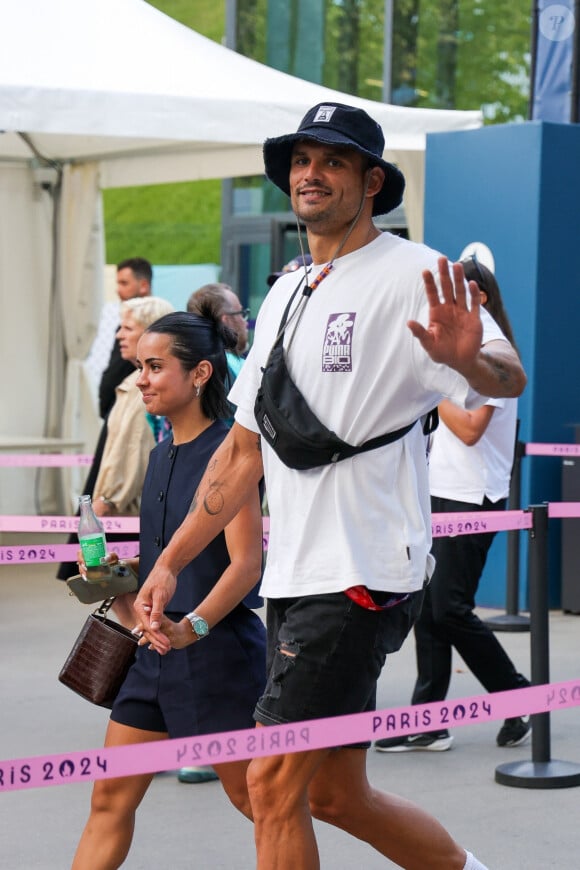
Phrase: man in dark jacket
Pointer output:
(134, 278)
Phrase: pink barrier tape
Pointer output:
(478, 521)
(553, 449)
(442, 524)
(59, 769)
(564, 509)
(56, 460)
(64, 524)
(450, 524)
(43, 460)
(30, 553)
(19, 554)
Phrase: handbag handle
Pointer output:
(104, 607)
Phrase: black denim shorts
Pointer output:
(325, 655)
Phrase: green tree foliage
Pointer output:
(251, 29)
(353, 56)
(464, 54)
(494, 59)
(205, 16)
(404, 52)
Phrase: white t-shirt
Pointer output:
(98, 358)
(470, 474)
(365, 520)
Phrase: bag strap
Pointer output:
(283, 321)
(430, 423)
(104, 608)
(349, 450)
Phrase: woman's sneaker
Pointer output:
(433, 741)
(197, 774)
(513, 732)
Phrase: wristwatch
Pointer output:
(198, 624)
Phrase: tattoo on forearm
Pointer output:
(500, 369)
(503, 375)
(209, 501)
(213, 500)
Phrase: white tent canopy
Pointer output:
(121, 83)
(115, 93)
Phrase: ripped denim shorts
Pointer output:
(326, 652)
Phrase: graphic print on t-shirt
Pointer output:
(337, 347)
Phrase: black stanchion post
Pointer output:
(541, 771)
(512, 620)
(539, 618)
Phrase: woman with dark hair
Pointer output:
(212, 678)
(490, 294)
(469, 470)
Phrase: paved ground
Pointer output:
(508, 828)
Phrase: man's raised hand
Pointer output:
(454, 332)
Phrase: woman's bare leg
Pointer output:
(233, 780)
(108, 833)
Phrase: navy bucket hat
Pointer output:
(346, 126)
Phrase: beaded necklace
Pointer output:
(306, 294)
(319, 278)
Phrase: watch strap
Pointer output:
(198, 624)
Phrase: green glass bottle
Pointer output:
(91, 534)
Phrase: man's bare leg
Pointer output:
(278, 788)
(341, 795)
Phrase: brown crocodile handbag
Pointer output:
(100, 658)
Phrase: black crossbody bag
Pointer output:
(292, 429)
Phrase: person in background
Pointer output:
(383, 329)
(231, 313)
(470, 466)
(134, 281)
(292, 265)
(211, 679)
(129, 441)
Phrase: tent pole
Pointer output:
(231, 24)
(575, 90)
(534, 53)
(388, 53)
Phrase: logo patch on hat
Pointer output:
(324, 113)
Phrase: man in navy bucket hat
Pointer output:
(336, 124)
(375, 331)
